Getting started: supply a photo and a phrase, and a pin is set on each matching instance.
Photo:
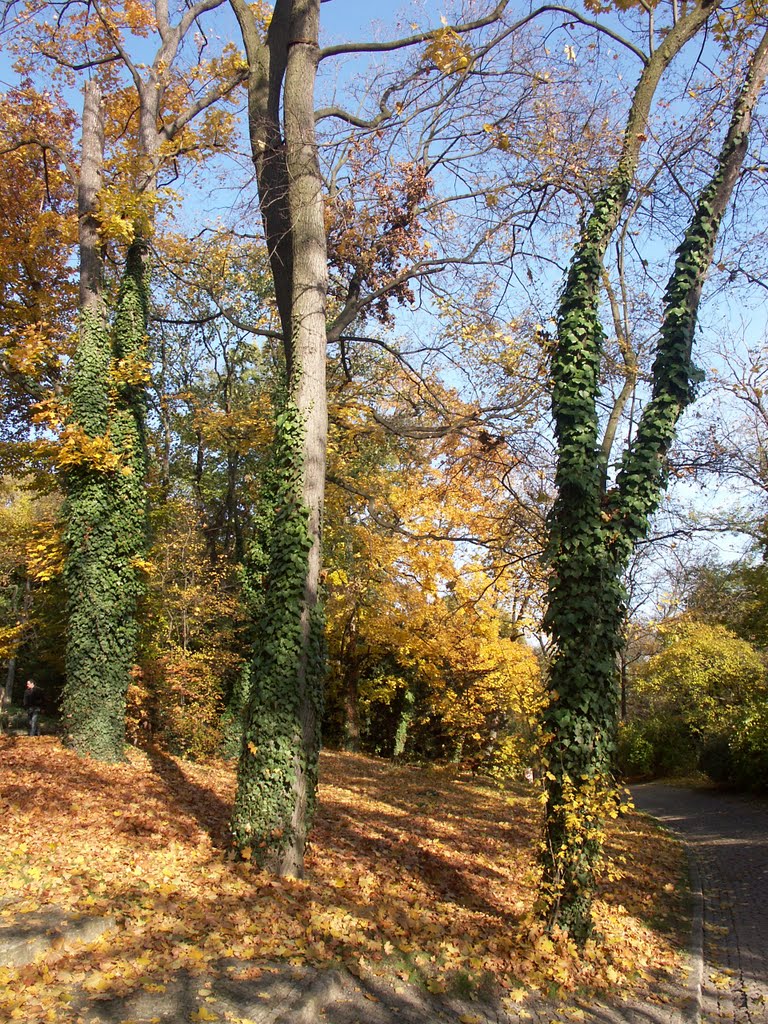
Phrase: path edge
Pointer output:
(696, 949)
(692, 1011)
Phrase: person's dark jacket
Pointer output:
(33, 698)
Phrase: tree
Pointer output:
(593, 529)
(732, 595)
(31, 557)
(431, 571)
(733, 446)
(704, 675)
(104, 442)
(191, 642)
(278, 766)
(37, 233)
(374, 258)
(710, 686)
(101, 581)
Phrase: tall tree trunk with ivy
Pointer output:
(94, 693)
(105, 507)
(107, 511)
(277, 774)
(593, 531)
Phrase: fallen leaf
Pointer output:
(203, 1014)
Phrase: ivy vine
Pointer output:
(593, 533)
(105, 515)
(277, 776)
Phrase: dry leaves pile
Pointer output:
(412, 872)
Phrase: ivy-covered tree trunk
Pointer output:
(593, 531)
(277, 775)
(94, 694)
(105, 507)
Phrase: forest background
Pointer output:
(458, 171)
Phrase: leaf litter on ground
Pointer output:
(421, 875)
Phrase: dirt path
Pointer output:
(728, 836)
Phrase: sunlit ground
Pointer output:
(412, 872)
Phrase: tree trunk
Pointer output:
(129, 437)
(278, 768)
(593, 534)
(351, 703)
(93, 703)
(26, 604)
(107, 511)
(10, 679)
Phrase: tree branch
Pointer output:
(33, 140)
(471, 26)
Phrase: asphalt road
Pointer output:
(728, 837)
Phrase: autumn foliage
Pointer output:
(421, 875)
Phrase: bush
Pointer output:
(634, 753)
(716, 759)
(511, 758)
(738, 755)
(750, 749)
(704, 675)
(656, 747)
(13, 719)
(177, 701)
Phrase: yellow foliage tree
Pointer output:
(31, 561)
(426, 597)
(38, 230)
(704, 674)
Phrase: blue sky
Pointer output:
(352, 19)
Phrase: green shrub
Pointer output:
(656, 747)
(634, 752)
(739, 754)
(749, 749)
(716, 758)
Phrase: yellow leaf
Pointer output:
(203, 1014)
(517, 995)
(246, 852)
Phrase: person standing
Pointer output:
(33, 703)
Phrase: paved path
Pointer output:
(728, 836)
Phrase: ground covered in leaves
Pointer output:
(416, 873)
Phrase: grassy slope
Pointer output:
(412, 871)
